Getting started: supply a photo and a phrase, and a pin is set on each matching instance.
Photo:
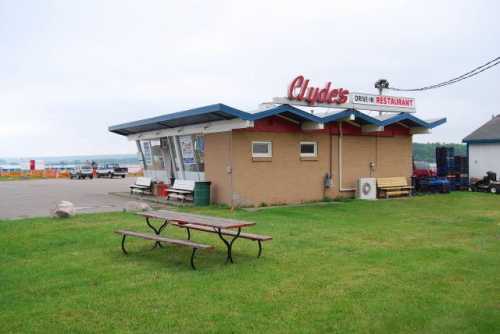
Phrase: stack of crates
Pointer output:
(445, 160)
(454, 168)
(462, 171)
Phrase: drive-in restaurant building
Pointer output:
(282, 153)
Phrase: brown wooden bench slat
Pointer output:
(391, 181)
(153, 237)
(398, 192)
(232, 233)
(395, 189)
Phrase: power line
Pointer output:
(464, 76)
(467, 75)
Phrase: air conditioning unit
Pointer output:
(367, 188)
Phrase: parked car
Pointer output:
(111, 170)
(81, 172)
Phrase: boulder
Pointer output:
(137, 206)
(64, 209)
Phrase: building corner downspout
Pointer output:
(330, 164)
(328, 179)
(230, 169)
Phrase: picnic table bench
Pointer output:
(195, 246)
(232, 233)
(220, 226)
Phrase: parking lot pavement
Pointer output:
(34, 198)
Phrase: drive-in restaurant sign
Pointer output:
(300, 92)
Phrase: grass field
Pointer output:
(430, 264)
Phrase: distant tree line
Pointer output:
(427, 152)
(77, 160)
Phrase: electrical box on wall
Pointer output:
(328, 181)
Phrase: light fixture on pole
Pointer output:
(381, 84)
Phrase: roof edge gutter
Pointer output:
(202, 128)
(481, 141)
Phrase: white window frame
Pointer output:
(308, 155)
(269, 154)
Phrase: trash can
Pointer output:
(202, 193)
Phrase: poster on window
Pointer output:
(187, 149)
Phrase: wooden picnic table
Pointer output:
(222, 226)
(189, 220)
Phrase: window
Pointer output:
(146, 151)
(158, 161)
(173, 152)
(153, 155)
(262, 149)
(192, 150)
(308, 149)
(199, 151)
(168, 155)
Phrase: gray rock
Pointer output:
(63, 209)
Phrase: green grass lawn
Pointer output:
(429, 264)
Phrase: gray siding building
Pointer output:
(484, 149)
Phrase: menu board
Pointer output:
(187, 149)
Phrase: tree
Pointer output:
(427, 151)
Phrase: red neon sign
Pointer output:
(300, 90)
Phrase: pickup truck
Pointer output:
(111, 170)
(81, 172)
(423, 169)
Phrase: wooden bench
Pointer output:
(142, 185)
(182, 190)
(226, 232)
(185, 243)
(393, 186)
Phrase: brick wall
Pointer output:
(241, 181)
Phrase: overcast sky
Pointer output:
(69, 69)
